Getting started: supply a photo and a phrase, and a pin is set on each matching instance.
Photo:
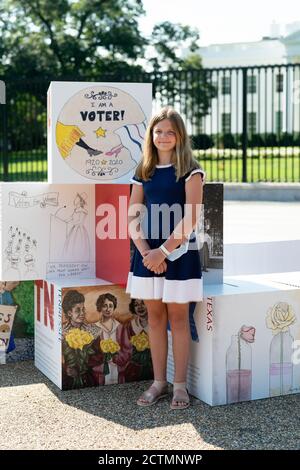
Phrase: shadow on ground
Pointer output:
(261, 424)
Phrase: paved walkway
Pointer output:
(260, 221)
(37, 415)
(261, 237)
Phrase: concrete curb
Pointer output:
(283, 192)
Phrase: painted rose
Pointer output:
(141, 341)
(247, 333)
(280, 317)
(77, 338)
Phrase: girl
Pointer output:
(166, 277)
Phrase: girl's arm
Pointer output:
(194, 197)
(182, 231)
(134, 218)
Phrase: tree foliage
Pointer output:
(93, 40)
(69, 38)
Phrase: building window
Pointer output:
(226, 123)
(251, 83)
(279, 82)
(251, 123)
(214, 85)
(226, 85)
(278, 121)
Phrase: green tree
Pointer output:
(170, 41)
(84, 38)
(179, 78)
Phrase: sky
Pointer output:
(223, 21)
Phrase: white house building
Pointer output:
(273, 86)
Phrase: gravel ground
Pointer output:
(35, 414)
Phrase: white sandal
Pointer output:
(152, 396)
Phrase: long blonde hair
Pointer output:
(182, 157)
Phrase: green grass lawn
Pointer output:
(272, 169)
(281, 164)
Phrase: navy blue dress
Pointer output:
(182, 281)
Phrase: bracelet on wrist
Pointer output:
(164, 250)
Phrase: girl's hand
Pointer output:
(153, 259)
(161, 268)
(145, 252)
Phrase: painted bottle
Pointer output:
(238, 370)
(281, 367)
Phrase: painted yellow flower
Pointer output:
(140, 342)
(77, 338)
(109, 346)
(280, 317)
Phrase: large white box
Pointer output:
(47, 231)
(90, 333)
(96, 130)
(247, 340)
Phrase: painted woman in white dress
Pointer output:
(108, 328)
(77, 244)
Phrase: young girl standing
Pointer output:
(164, 272)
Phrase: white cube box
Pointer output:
(90, 333)
(47, 231)
(96, 130)
(246, 344)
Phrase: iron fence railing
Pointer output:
(244, 121)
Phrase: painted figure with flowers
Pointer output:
(140, 366)
(77, 342)
(111, 343)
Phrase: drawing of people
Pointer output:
(132, 138)
(29, 262)
(67, 136)
(77, 244)
(111, 341)
(13, 271)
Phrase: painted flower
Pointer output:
(77, 338)
(76, 349)
(247, 333)
(280, 317)
(109, 346)
(140, 341)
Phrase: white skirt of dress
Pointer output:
(155, 288)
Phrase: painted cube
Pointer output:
(246, 341)
(90, 334)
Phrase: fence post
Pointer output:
(3, 129)
(245, 130)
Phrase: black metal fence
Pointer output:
(244, 122)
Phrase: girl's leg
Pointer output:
(178, 315)
(157, 323)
